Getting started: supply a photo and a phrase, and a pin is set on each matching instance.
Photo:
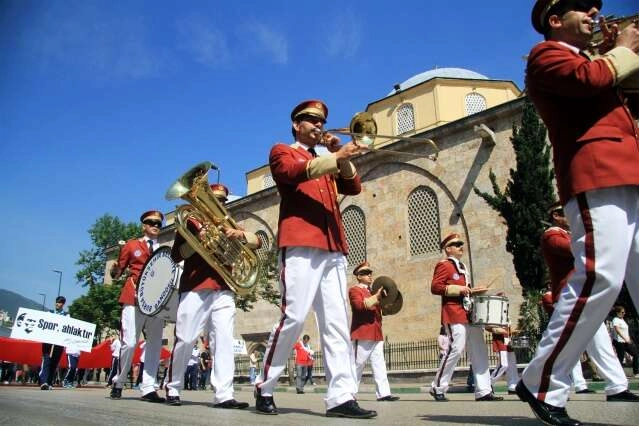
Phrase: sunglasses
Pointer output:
(365, 273)
(153, 223)
(456, 244)
(311, 119)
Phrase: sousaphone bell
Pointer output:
(391, 300)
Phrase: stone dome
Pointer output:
(439, 72)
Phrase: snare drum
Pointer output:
(520, 342)
(157, 289)
(489, 310)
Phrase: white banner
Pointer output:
(48, 327)
(239, 347)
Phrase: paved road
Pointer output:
(91, 406)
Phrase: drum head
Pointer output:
(157, 282)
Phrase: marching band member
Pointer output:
(133, 256)
(507, 360)
(595, 153)
(366, 330)
(555, 247)
(451, 281)
(312, 258)
(206, 303)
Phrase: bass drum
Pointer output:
(157, 293)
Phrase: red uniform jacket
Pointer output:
(547, 302)
(446, 273)
(309, 213)
(366, 324)
(499, 343)
(593, 135)
(132, 255)
(555, 247)
(197, 274)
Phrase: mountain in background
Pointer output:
(11, 302)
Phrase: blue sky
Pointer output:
(104, 103)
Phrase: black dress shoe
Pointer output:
(232, 404)
(173, 400)
(547, 413)
(439, 397)
(388, 398)
(490, 397)
(585, 391)
(351, 410)
(264, 404)
(299, 391)
(512, 392)
(116, 393)
(625, 396)
(152, 397)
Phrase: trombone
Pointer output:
(363, 129)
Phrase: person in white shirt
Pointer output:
(190, 377)
(115, 358)
(73, 355)
(621, 340)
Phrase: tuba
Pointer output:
(237, 264)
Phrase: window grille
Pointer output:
(405, 119)
(423, 221)
(262, 252)
(475, 103)
(355, 228)
(268, 181)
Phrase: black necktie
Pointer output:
(311, 150)
(150, 246)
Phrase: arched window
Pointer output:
(262, 252)
(423, 221)
(268, 181)
(405, 118)
(355, 228)
(475, 103)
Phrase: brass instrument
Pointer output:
(237, 264)
(363, 129)
(607, 30)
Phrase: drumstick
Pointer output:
(492, 282)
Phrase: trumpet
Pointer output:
(606, 31)
(363, 129)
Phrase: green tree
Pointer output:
(523, 204)
(104, 233)
(99, 306)
(267, 281)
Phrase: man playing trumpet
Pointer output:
(312, 257)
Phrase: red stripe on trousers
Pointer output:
(276, 334)
(581, 300)
(169, 371)
(450, 348)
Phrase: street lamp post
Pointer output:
(59, 280)
(44, 299)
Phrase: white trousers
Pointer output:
(507, 364)
(605, 243)
(602, 354)
(212, 311)
(373, 350)
(311, 277)
(133, 322)
(464, 336)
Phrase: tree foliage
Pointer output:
(104, 233)
(265, 288)
(99, 306)
(523, 204)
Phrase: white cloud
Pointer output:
(343, 36)
(269, 40)
(79, 34)
(208, 45)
